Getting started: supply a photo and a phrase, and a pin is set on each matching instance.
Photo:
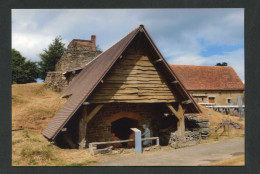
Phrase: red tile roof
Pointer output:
(196, 77)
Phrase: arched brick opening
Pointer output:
(120, 132)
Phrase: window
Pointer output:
(211, 99)
(229, 100)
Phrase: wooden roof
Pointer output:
(92, 74)
(196, 77)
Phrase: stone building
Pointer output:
(78, 54)
(211, 85)
(128, 85)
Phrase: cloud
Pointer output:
(234, 59)
(176, 32)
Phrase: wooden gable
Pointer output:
(134, 79)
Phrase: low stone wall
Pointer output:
(56, 80)
(196, 129)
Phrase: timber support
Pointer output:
(82, 128)
(83, 121)
(181, 121)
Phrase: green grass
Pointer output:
(33, 154)
(86, 163)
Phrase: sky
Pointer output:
(183, 36)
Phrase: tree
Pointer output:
(222, 64)
(51, 56)
(23, 71)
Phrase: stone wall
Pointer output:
(78, 54)
(75, 57)
(221, 97)
(56, 80)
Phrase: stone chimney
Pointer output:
(93, 39)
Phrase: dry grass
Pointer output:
(215, 118)
(236, 161)
(29, 148)
(33, 105)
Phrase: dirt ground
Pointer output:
(199, 155)
(33, 105)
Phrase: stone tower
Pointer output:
(78, 54)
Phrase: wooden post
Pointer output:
(83, 121)
(181, 120)
(82, 128)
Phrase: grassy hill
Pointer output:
(34, 104)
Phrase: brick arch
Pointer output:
(119, 115)
(130, 115)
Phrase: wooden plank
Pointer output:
(121, 141)
(112, 142)
(135, 78)
(131, 97)
(135, 62)
(133, 101)
(134, 72)
(137, 57)
(93, 112)
(139, 85)
(134, 91)
(143, 68)
(135, 75)
(136, 81)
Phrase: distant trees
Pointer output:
(51, 56)
(222, 64)
(23, 71)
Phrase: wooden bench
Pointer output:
(93, 145)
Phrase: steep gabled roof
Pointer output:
(86, 81)
(196, 77)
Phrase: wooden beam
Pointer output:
(93, 113)
(86, 103)
(82, 128)
(181, 121)
(186, 101)
(175, 82)
(179, 113)
(159, 60)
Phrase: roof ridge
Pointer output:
(111, 46)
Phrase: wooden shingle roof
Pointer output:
(196, 77)
(92, 74)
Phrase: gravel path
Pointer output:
(202, 154)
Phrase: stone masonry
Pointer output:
(78, 54)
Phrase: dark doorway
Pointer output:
(121, 127)
(168, 125)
